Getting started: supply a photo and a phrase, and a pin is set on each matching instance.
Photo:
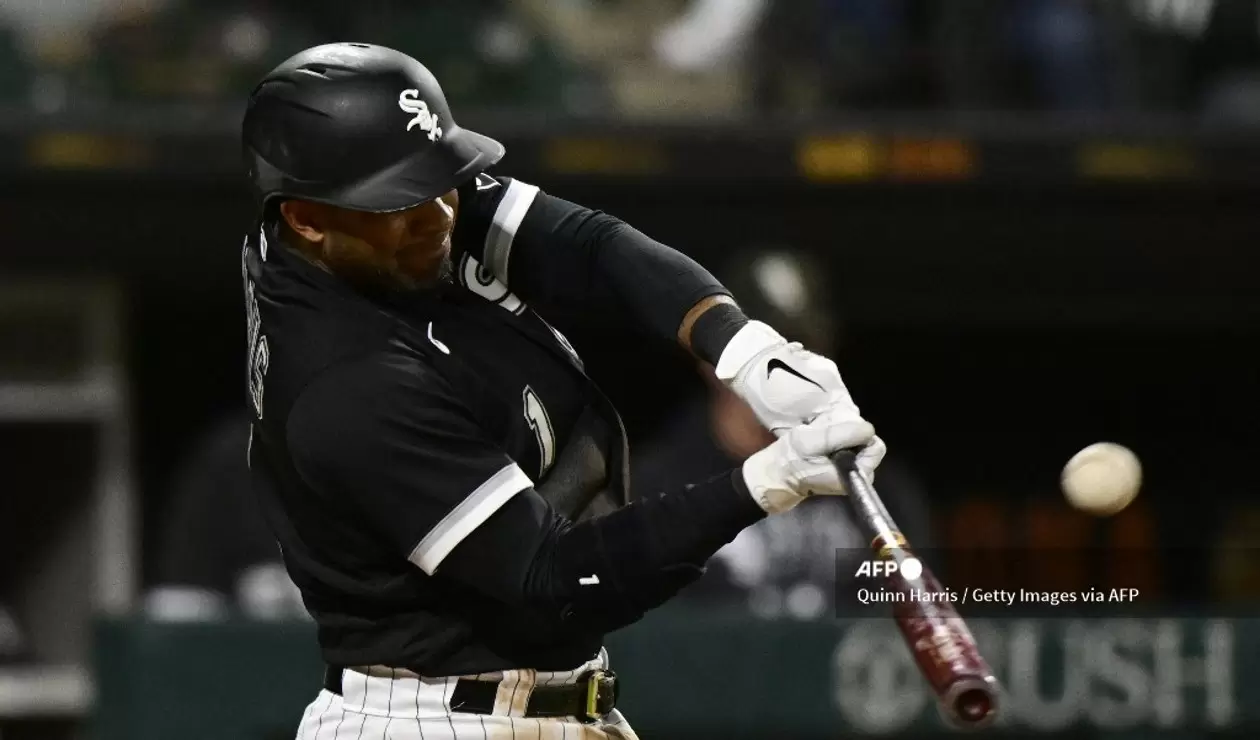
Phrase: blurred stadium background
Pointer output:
(1020, 226)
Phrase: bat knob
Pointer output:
(845, 461)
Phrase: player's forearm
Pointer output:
(608, 572)
(602, 573)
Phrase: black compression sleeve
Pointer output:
(606, 573)
(572, 255)
(602, 573)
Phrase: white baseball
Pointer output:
(1102, 479)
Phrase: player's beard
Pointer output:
(443, 273)
(446, 270)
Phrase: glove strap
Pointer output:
(753, 339)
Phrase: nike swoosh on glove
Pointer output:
(798, 464)
(786, 385)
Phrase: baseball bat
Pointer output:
(942, 645)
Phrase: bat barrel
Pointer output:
(946, 653)
(944, 649)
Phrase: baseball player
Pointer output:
(446, 484)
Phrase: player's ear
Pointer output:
(304, 219)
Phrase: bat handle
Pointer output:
(872, 518)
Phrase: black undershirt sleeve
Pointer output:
(579, 260)
(587, 258)
(603, 573)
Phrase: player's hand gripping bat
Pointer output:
(943, 647)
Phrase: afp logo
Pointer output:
(909, 568)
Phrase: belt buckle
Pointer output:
(601, 694)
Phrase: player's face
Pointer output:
(406, 249)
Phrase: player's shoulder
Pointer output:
(488, 191)
(359, 391)
(362, 407)
(486, 184)
(491, 207)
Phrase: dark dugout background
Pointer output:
(1002, 303)
(989, 329)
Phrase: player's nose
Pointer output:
(433, 217)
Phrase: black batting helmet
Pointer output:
(359, 126)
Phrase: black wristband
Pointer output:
(714, 330)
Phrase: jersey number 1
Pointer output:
(540, 423)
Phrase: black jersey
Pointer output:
(389, 428)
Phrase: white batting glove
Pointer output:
(786, 385)
(798, 464)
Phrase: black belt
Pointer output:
(591, 698)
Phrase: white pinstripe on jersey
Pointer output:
(392, 706)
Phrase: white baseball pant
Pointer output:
(393, 707)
